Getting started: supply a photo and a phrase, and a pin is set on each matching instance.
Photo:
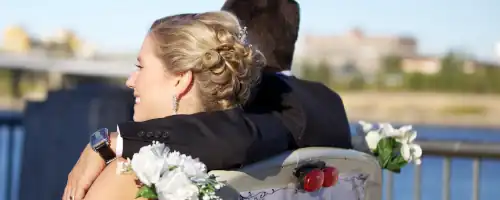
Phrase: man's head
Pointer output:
(273, 26)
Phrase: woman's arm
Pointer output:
(110, 185)
(86, 170)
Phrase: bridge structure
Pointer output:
(52, 73)
(84, 67)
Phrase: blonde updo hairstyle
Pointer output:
(224, 66)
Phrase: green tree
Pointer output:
(320, 72)
(491, 78)
(324, 73)
(357, 82)
(391, 64)
(451, 75)
(416, 81)
(308, 71)
(390, 69)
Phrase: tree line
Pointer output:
(485, 78)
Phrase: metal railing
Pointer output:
(448, 150)
(9, 122)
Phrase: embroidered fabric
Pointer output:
(349, 187)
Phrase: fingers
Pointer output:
(83, 174)
(66, 192)
(76, 188)
(79, 192)
(71, 183)
(72, 194)
(69, 191)
(74, 191)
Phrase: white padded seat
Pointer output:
(360, 177)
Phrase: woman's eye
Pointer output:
(139, 66)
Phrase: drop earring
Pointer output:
(175, 104)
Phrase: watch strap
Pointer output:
(106, 153)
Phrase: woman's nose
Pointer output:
(130, 83)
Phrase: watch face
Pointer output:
(99, 137)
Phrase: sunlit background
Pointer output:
(433, 64)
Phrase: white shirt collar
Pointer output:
(286, 72)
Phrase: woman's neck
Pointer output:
(189, 105)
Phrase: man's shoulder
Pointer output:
(314, 113)
(291, 84)
(199, 125)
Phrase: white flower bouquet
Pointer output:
(394, 148)
(167, 175)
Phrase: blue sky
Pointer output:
(119, 25)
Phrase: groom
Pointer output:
(320, 119)
(313, 114)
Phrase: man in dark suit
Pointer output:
(311, 111)
(286, 112)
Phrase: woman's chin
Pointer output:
(138, 115)
(138, 118)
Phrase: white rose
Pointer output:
(411, 152)
(386, 130)
(175, 185)
(149, 164)
(372, 138)
(192, 167)
(407, 137)
(365, 126)
(173, 158)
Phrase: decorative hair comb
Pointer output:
(242, 35)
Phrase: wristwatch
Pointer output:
(100, 143)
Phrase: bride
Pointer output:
(190, 64)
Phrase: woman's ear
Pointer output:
(184, 83)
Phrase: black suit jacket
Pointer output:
(313, 113)
(222, 139)
(286, 113)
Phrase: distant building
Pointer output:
(432, 65)
(421, 64)
(64, 43)
(16, 39)
(355, 48)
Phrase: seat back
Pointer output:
(359, 177)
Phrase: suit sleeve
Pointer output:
(221, 140)
(135, 135)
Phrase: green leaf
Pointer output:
(393, 168)
(384, 159)
(386, 145)
(399, 160)
(146, 192)
(396, 164)
(397, 146)
(385, 149)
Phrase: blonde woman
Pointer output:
(193, 64)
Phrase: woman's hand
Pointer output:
(85, 172)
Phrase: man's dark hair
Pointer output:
(273, 27)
